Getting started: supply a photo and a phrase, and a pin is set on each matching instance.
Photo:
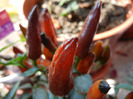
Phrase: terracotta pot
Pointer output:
(126, 28)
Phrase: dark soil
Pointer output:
(112, 15)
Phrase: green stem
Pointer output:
(34, 63)
(77, 61)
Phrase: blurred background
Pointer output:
(68, 17)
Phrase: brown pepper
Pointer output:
(33, 35)
(88, 31)
(47, 42)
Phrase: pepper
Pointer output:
(43, 62)
(129, 96)
(88, 31)
(47, 25)
(60, 77)
(17, 50)
(106, 54)
(33, 35)
(23, 29)
(98, 90)
(85, 64)
(47, 42)
(47, 53)
(97, 49)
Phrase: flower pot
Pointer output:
(126, 28)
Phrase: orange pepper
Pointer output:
(47, 53)
(98, 90)
(47, 25)
(43, 62)
(60, 71)
(85, 64)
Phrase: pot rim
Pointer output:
(119, 29)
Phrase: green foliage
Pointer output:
(51, 96)
(82, 83)
(16, 61)
(26, 95)
(123, 86)
(12, 92)
(30, 72)
(39, 92)
(75, 95)
(62, 2)
(25, 86)
(71, 7)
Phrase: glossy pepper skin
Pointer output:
(43, 63)
(33, 35)
(47, 42)
(98, 90)
(47, 25)
(60, 71)
(85, 64)
(88, 31)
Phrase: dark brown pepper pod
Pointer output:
(33, 34)
(47, 42)
(23, 29)
(17, 50)
(88, 31)
(60, 77)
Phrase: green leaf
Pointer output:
(123, 86)
(12, 92)
(16, 61)
(74, 95)
(62, 2)
(71, 7)
(30, 72)
(22, 40)
(27, 85)
(26, 95)
(51, 96)
(82, 83)
(77, 61)
(39, 93)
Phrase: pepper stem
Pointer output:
(34, 63)
(77, 61)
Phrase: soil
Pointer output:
(73, 22)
